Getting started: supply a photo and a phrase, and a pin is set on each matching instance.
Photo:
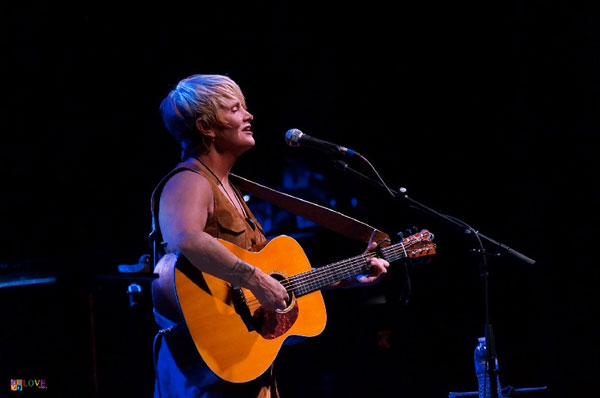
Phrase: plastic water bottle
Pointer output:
(483, 371)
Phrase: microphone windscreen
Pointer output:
(292, 137)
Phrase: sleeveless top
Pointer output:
(224, 223)
(196, 379)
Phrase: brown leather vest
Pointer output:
(225, 222)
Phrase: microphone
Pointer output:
(296, 138)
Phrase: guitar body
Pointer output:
(236, 337)
(235, 347)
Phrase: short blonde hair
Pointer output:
(196, 97)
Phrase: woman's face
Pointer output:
(235, 132)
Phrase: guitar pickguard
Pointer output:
(269, 324)
(272, 324)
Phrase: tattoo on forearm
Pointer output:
(241, 272)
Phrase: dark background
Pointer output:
(483, 112)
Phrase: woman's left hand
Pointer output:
(378, 267)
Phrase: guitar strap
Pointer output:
(328, 218)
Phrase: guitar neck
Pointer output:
(317, 278)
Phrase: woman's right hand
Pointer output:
(270, 292)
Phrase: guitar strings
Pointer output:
(317, 276)
(332, 269)
(314, 276)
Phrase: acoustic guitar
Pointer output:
(236, 337)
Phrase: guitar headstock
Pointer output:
(419, 244)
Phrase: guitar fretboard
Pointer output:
(317, 278)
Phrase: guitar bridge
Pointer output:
(241, 307)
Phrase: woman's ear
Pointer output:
(204, 130)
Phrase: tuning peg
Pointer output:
(400, 235)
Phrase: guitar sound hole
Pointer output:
(272, 324)
(283, 280)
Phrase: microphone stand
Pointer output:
(401, 194)
(484, 272)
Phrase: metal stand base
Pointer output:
(507, 392)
